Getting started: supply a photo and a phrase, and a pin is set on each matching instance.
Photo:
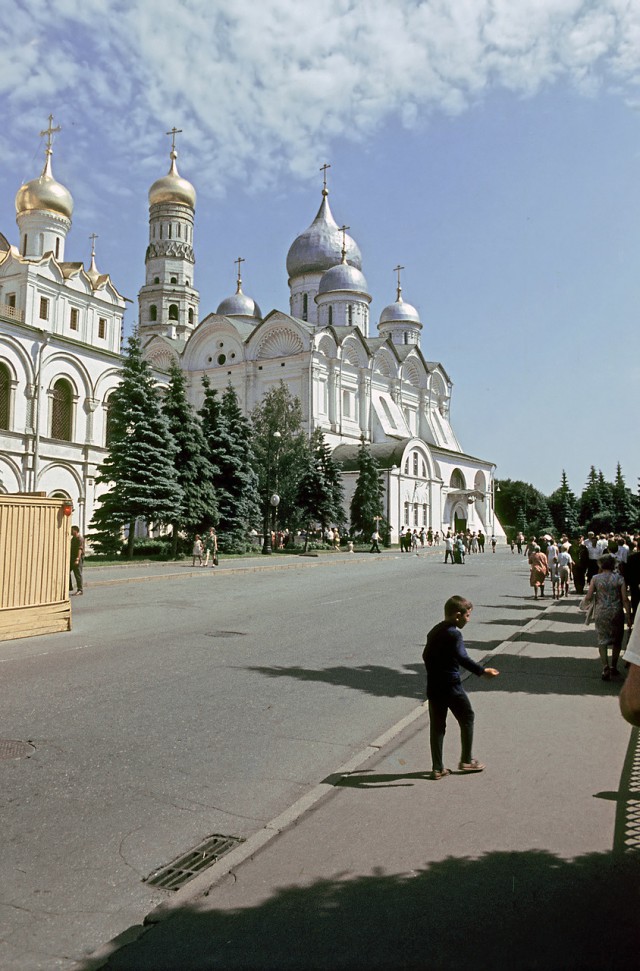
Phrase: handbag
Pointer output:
(215, 559)
(587, 606)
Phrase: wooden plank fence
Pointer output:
(34, 564)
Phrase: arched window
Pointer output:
(173, 311)
(5, 396)
(62, 411)
(190, 316)
(457, 480)
(350, 315)
(156, 279)
(174, 279)
(305, 306)
(153, 312)
(415, 463)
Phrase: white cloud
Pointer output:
(262, 89)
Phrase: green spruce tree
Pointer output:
(198, 510)
(366, 502)
(140, 468)
(564, 508)
(228, 437)
(624, 504)
(280, 450)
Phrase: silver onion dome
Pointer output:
(319, 247)
(400, 312)
(343, 277)
(239, 305)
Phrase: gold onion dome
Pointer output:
(172, 188)
(44, 194)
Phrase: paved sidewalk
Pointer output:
(532, 864)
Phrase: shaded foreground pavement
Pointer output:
(532, 864)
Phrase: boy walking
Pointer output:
(443, 656)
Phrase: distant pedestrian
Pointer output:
(611, 605)
(196, 552)
(481, 538)
(76, 558)
(375, 542)
(538, 572)
(443, 656)
(448, 549)
(493, 542)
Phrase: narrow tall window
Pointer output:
(5, 396)
(57, 247)
(170, 231)
(330, 316)
(173, 311)
(10, 300)
(350, 315)
(191, 316)
(102, 328)
(44, 308)
(305, 306)
(153, 312)
(73, 321)
(62, 410)
(24, 244)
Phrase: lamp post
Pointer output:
(274, 439)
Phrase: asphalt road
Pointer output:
(203, 704)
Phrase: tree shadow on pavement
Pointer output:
(373, 679)
(522, 910)
(518, 673)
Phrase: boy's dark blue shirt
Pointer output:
(443, 656)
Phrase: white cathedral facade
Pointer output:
(60, 332)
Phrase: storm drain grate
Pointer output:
(11, 748)
(186, 867)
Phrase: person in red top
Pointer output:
(443, 656)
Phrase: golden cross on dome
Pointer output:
(323, 169)
(174, 131)
(50, 132)
(343, 230)
(239, 261)
(398, 269)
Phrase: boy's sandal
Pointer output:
(606, 673)
(440, 774)
(472, 766)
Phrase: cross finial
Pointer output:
(49, 133)
(93, 237)
(397, 269)
(323, 169)
(343, 230)
(239, 261)
(174, 131)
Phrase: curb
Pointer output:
(202, 884)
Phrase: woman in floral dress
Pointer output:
(609, 593)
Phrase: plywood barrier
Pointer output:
(34, 559)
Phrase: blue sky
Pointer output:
(492, 147)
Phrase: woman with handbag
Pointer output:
(608, 592)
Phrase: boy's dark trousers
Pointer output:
(455, 700)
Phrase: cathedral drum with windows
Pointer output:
(60, 332)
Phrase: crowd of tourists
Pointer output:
(608, 565)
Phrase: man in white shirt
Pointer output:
(595, 550)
